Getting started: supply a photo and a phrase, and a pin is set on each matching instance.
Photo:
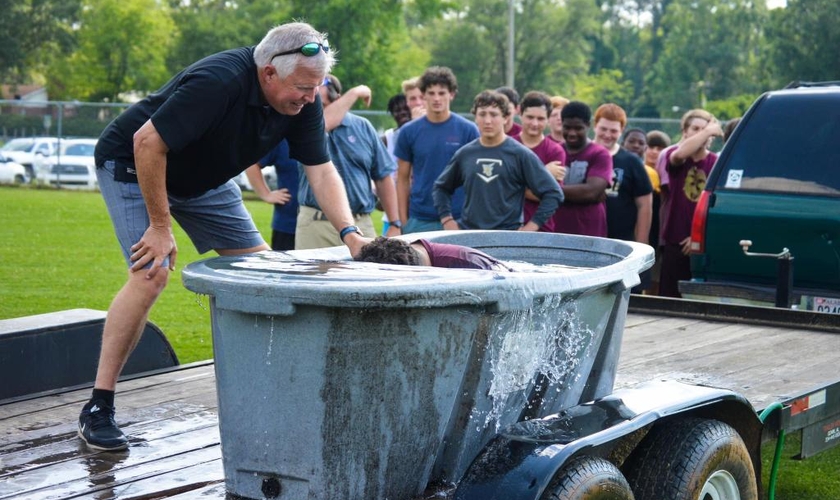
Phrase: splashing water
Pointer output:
(270, 340)
(548, 340)
(201, 300)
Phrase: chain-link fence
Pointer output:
(70, 119)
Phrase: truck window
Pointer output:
(788, 146)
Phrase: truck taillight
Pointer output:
(698, 223)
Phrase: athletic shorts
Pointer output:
(215, 220)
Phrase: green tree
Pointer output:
(365, 34)
(708, 53)
(804, 39)
(608, 85)
(122, 46)
(549, 41)
(31, 29)
(209, 26)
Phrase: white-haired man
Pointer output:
(173, 155)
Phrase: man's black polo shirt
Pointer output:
(214, 120)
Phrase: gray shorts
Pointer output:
(216, 220)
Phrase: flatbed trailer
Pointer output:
(763, 356)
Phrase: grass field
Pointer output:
(58, 251)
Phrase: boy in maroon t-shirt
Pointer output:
(426, 253)
(589, 173)
(688, 165)
(535, 108)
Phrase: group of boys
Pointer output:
(494, 173)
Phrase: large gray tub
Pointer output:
(358, 381)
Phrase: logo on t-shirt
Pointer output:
(618, 177)
(577, 172)
(487, 165)
(695, 182)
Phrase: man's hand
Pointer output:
(529, 226)
(355, 242)
(686, 246)
(277, 197)
(557, 170)
(418, 112)
(451, 225)
(362, 93)
(393, 231)
(156, 244)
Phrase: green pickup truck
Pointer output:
(766, 230)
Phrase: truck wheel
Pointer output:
(588, 478)
(692, 459)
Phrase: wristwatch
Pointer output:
(349, 229)
(397, 223)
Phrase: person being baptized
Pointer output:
(426, 253)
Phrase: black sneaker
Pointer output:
(98, 429)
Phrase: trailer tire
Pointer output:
(588, 478)
(692, 459)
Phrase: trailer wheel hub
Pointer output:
(721, 485)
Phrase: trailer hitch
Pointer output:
(784, 272)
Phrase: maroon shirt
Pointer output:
(587, 219)
(686, 183)
(547, 151)
(457, 256)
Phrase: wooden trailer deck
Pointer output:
(171, 417)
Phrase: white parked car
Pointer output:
(12, 172)
(29, 150)
(72, 167)
(269, 174)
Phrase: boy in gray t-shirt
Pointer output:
(495, 171)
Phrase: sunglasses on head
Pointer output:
(309, 49)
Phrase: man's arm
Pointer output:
(403, 188)
(644, 216)
(592, 190)
(447, 182)
(695, 143)
(329, 192)
(543, 184)
(335, 112)
(158, 241)
(277, 197)
(386, 189)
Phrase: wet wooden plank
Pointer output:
(172, 423)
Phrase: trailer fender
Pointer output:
(520, 463)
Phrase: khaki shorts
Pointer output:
(315, 231)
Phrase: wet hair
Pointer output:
(491, 98)
(658, 139)
(730, 127)
(612, 112)
(291, 36)
(536, 99)
(438, 75)
(633, 131)
(333, 86)
(396, 102)
(577, 109)
(692, 114)
(510, 93)
(384, 250)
